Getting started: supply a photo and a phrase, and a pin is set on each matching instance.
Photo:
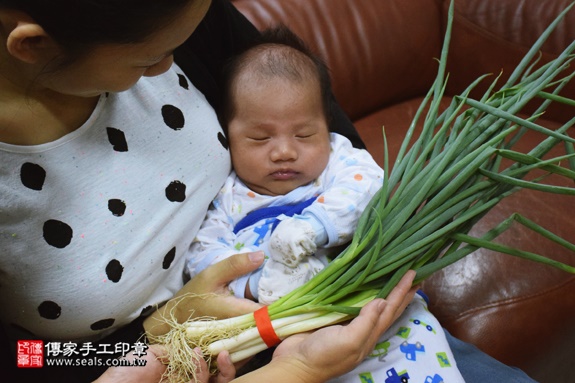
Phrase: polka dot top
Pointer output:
(94, 225)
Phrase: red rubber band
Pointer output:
(265, 328)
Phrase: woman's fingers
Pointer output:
(402, 294)
(376, 317)
(234, 267)
(202, 371)
(226, 369)
(213, 283)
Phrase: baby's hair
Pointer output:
(79, 25)
(277, 53)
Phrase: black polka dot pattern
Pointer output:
(32, 176)
(117, 207)
(49, 310)
(169, 258)
(57, 233)
(118, 139)
(183, 81)
(176, 191)
(173, 117)
(60, 235)
(102, 324)
(114, 270)
(146, 311)
(223, 140)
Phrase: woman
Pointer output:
(110, 157)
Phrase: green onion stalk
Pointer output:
(440, 185)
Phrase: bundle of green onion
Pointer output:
(442, 183)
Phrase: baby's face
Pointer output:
(279, 139)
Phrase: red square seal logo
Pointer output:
(30, 353)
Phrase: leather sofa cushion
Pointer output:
(491, 37)
(367, 72)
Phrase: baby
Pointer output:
(297, 190)
(296, 193)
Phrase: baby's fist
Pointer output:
(292, 240)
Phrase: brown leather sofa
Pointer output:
(381, 54)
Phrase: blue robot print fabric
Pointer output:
(413, 350)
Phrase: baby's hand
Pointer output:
(292, 240)
(278, 279)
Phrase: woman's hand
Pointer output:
(226, 370)
(207, 294)
(151, 372)
(335, 350)
(155, 367)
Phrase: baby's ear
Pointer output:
(27, 41)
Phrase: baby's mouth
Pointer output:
(284, 174)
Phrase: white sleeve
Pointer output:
(216, 240)
(350, 180)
